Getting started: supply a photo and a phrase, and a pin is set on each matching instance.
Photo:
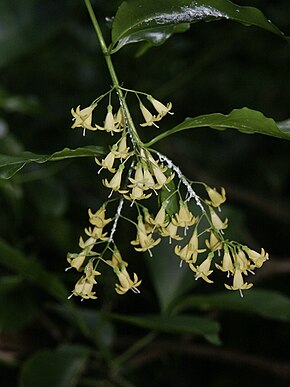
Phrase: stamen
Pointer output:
(111, 193)
(84, 132)
(150, 253)
(241, 293)
(180, 263)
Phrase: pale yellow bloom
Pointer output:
(98, 219)
(149, 118)
(108, 161)
(137, 194)
(214, 243)
(83, 117)
(203, 270)
(227, 263)
(160, 218)
(216, 198)
(257, 258)
(84, 289)
(125, 281)
(96, 233)
(143, 239)
(76, 260)
(171, 231)
(190, 251)
(84, 286)
(238, 283)
(160, 108)
(121, 150)
(160, 176)
(115, 182)
(184, 218)
(119, 118)
(241, 262)
(110, 123)
(216, 221)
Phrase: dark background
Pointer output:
(50, 61)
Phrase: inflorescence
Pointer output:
(137, 174)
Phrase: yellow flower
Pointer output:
(115, 182)
(238, 283)
(214, 243)
(145, 241)
(119, 118)
(203, 270)
(84, 289)
(108, 161)
(84, 286)
(171, 231)
(96, 233)
(216, 198)
(110, 123)
(227, 263)
(160, 218)
(125, 281)
(160, 176)
(241, 262)
(98, 219)
(184, 218)
(83, 118)
(190, 251)
(216, 221)
(148, 117)
(121, 150)
(257, 258)
(76, 260)
(161, 109)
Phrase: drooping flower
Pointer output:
(76, 260)
(257, 258)
(83, 117)
(216, 198)
(121, 150)
(115, 182)
(216, 221)
(108, 161)
(238, 283)
(143, 239)
(171, 231)
(214, 243)
(227, 262)
(203, 270)
(126, 283)
(98, 219)
(160, 108)
(184, 218)
(149, 118)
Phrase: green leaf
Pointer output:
(265, 303)
(60, 368)
(155, 21)
(169, 280)
(10, 165)
(17, 304)
(14, 260)
(245, 120)
(200, 326)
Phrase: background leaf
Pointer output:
(245, 120)
(60, 368)
(155, 21)
(200, 326)
(264, 303)
(10, 165)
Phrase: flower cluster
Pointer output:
(138, 174)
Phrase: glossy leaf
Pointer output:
(60, 368)
(10, 165)
(264, 303)
(155, 21)
(245, 120)
(175, 324)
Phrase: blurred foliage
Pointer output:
(178, 331)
